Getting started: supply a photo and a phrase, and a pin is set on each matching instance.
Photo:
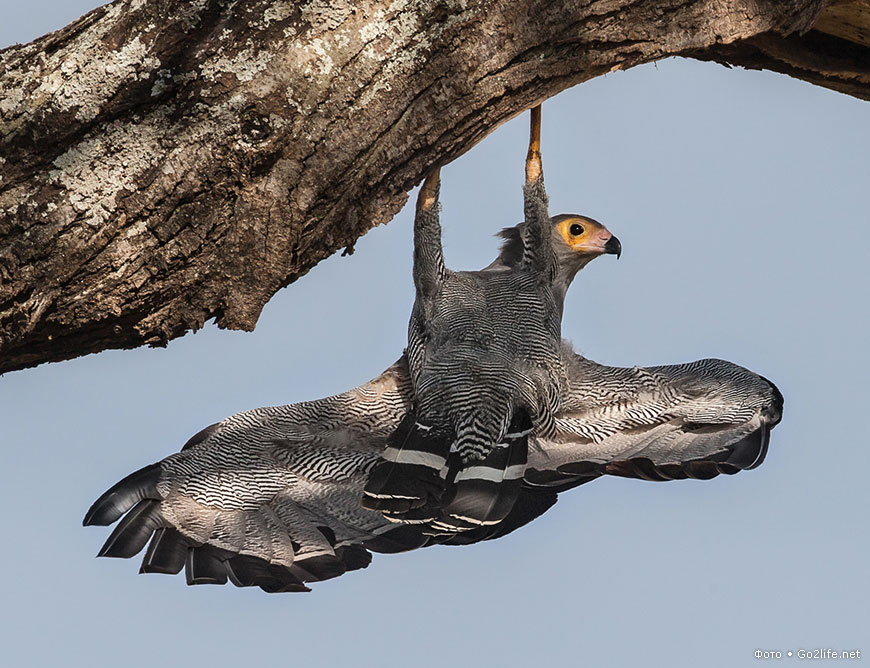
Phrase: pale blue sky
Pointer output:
(741, 202)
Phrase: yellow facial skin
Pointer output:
(583, 235)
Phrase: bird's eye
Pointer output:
(576, 230)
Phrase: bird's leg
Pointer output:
(538, 249)
(534, 167)
(429, 270)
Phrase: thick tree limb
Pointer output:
(164, 162)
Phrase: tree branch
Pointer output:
(166, 162)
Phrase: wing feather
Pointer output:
(693, 420)
(268, 497)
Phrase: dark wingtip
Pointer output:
(354, 557)
(285, 588)
(134, 531)
(773, 413)
(206, 565)
(319, 568)
(246, 571)
(402, 538)
(123, 495)
(166, 553)
(751, 451)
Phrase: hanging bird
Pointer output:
(212, 508)
(271, 497)
(483, 351)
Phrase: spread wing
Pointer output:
(695, 420)
(271, 497)
(268, 497)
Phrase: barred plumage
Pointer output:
(218, 496)
(271, 497)
(483, 350)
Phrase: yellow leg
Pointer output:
(429, 271)
(533, 159)
(428, 196)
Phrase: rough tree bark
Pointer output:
(163, 162)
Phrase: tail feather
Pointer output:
(531, 503)
(122, 496)
(133, 532)
(410, 477)
(484, 493)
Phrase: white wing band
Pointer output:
(492, 474)
(414, 457)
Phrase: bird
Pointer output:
(483, 352)
(272, 497)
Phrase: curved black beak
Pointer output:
(613, 247)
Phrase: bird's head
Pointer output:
(575, 235)
(577, 240)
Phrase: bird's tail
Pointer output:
(483, 492)
(408, 484)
